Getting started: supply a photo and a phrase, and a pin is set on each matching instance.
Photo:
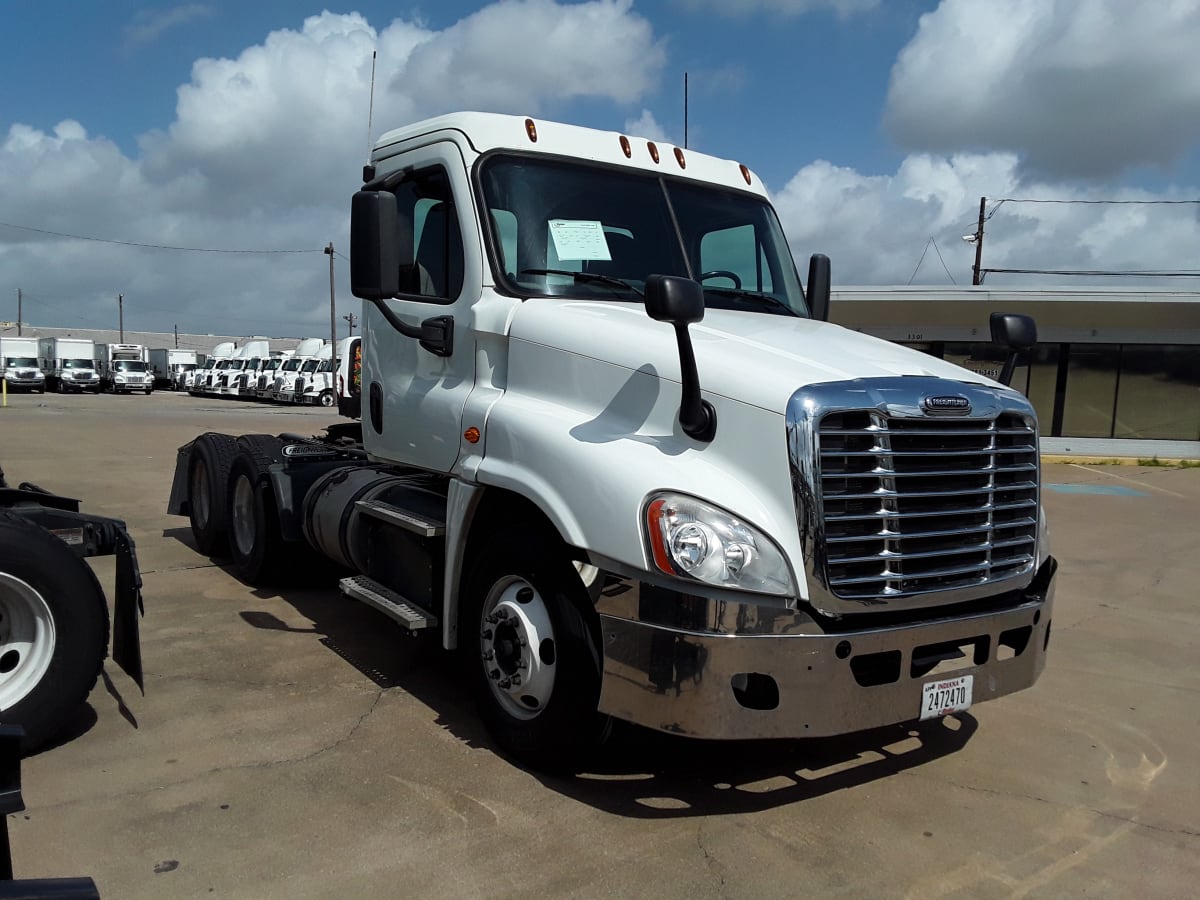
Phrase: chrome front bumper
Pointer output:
(737, 674)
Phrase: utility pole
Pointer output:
(353, 320)
(176, 337)
(976, 277)
(685, 111)
(121, 314)
(19, 299)
(332, 301)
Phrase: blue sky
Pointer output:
(877, 124)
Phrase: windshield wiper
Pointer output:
(586, 276)
(765, 299)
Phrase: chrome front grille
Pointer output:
(911, 506)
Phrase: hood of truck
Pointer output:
(754, 358)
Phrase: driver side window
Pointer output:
(431, 247)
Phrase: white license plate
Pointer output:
(941, 698)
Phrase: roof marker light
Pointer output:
(626, 148)
(679, 158)
(531, 130)
(653, 150)
(745, 172)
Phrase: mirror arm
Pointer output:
(435, 334)
(697, 417)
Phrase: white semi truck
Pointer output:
(294, 385)
(286, 375)
(168, 363)
(268, 370)
(613, 454)
(321, 387)
(68, 364)
(206, 373)
(242, 374)
(124, 368)
(19, 362)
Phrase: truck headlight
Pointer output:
(694, 540)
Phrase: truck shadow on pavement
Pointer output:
(638, 773)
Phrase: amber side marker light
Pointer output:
(531, 130)
(653, 150)
(472, 435)
(626, 148)
(745, 172)
(679, 158)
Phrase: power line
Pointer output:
(1100, 202)
(942, 261)
(83, 237)
(1138, 273)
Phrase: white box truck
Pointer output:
(69, 364)
(19, 359)
(614, 455)
(166, 363)
(124, 368)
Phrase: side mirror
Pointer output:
(670, 298)
(680, 301)
(374, 254)
(1015, 332)
(818, 286)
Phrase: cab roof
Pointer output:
(492, 131)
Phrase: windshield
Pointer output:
(272, 364)
(292, 365)
(310, 365)
(21, 361)
(79, 364)
(593, 221)
(128, 365)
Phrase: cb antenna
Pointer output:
(371, 104)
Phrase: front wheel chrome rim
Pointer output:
(27, 639)
(517, 647)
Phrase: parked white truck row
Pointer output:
(308, 374)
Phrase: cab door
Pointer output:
(412, 398)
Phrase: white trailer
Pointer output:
(166, 363)
(124, 368)
(19, 359)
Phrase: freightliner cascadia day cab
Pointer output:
(285, 376)
(320, 388)
(205, 374)
(613, 454)
(69, 364)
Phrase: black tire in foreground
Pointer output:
(53, 630)
(260, 555)
(208, 478)
(529, 639)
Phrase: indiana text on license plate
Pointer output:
(940, 698)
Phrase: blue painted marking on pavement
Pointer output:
(1108, 489)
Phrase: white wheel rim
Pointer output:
(242, 515)
(518, 648)
(27, 639)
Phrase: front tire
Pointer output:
(53, 630)
(531, 642)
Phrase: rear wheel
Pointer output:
(532, 646)
(208, 475)
(260, 555)
(327, 399)
(53, 630)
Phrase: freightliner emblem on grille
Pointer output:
(952, 405)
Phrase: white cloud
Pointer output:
(646, 126)
(265, 151)
(149, 25)
(1077, 89)
(874, 228)
(843, 8)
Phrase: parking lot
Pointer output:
(292, 744)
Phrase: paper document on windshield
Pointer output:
(579, 239)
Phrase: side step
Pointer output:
(406, 519)
(388, 602)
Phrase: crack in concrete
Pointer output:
(1104, 814)
(710, 861)
(187, 568)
